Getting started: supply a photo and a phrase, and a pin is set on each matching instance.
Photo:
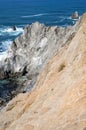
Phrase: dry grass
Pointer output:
(61, 67)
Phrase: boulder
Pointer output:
(75, 15)
(1, 102)
(14, 28)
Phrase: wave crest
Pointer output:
(35, 15)
(5, 44)
(10, 31)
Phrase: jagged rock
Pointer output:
(75, 15)
(31, 51)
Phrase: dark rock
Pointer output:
(14, 28)
(6, 90)
(1, 102)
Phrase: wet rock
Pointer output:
(1, 102)
(75, 15)
(6, 90)
(14, 28)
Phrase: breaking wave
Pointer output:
(4, 45)
(10, 31)
(36, 15)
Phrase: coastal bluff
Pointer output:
(27, 56)
(31, 50)
(58, 56)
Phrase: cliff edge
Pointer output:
(58, 101)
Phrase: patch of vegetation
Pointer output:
(61, 67)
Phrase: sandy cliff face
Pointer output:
(58, 101)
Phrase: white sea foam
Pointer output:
(73, 19)
(3, 55)
(60, 19)
(10, 31)
(36, 15)
(5, 44)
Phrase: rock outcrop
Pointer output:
(14, 28)
(58, 101)
(31, 51)
(75, 15)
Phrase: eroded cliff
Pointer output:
(58, 101)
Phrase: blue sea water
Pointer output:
(22, 12)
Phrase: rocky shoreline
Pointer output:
(29, 53)
(49, 65)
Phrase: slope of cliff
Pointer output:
(58, 101)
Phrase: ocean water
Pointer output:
(21, 12)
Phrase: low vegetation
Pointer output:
(61, 67)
